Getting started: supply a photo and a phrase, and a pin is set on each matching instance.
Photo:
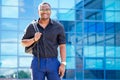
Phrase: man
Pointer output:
(51, 36)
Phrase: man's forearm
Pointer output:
(27, 42)
(63, 52)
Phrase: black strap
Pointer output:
(37, 30)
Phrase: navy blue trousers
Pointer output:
(46, 67)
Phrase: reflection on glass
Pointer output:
(10, 2)
(79, 15)
(69, 26)
(24, 73)
(112, 4)
(94, 63)
(8, 49)
(9, 12)
(64, 4)
(93, 4)
(68, 15)
(8, 61)
(110, 51)
(9, 24)
(8, 36)
(25, 12)
(25, 61)
(112, 16)
(93, 15)
(8, 73)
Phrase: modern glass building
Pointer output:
(92, 34)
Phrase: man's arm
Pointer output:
(28, 42)
(63, 59)
(63, 52)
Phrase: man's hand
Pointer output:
(37, 36)
(61, 70)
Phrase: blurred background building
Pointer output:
(92, 35)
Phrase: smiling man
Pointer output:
(51, 35)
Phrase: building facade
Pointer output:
(92, 30)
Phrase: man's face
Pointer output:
(44, 11)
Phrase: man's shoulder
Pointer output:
(56, 22)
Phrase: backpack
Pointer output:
(30, 48)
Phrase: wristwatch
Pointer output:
(63, 63)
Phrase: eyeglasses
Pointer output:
(43, 10)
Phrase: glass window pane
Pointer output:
(8, 61)
(10, 2)
(68, 15)
(110, 64)
(25, 12)
(112, 4)
(100, 51)
(93, 63)
(25, 61)
(110, 51)
(79, 4)
(24, 73)
(117, 51)
(93, 4)
(70, 63)
(112, 16)
(5, 36)
(79, 62)
(70, 38)
(27, 3)
(9, 12)
(94, 74)
(89, 51)
(93, 15)
(70, 49)
(79, 15)
(9, 24)
(8, 74)
(69, 26)
(64, 4)
(79, 26)
(70, 74)
(8, 49)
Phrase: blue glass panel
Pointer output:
(68, 15)
(70, 49)
(8, 62)
(65, 4)
(117, 51)
(112, 64)
(27, 3)
(79, 27)
(93, 64)
(8, 49)
(70, 63)
(6, 36)
(89, 51)
(69, 26)
(93, 75)
(112, 16)
(9, 24)
(69, 74)
(110, 51)
(10, 2)
(93, 15)
(79, 15)
(78, 4)
(70, 38)
(9, 12)
(4, 73)
(112, 4)
(25, 12)
(100, 51)
(23, 60)
(26, 72)
(93, 4)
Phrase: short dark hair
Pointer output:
(43, 4)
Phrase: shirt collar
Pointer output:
(51, 21)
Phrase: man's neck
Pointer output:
(44, 22)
